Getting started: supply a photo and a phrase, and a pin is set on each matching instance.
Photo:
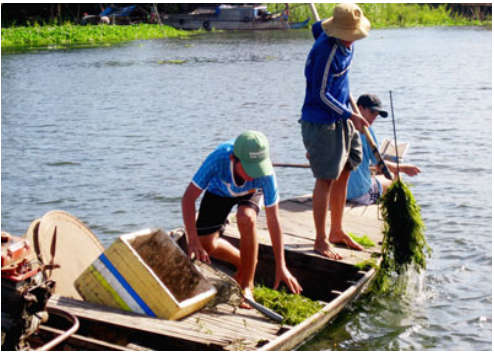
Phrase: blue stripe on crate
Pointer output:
(126, 285)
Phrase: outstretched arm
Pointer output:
(282, 273)
(189, 217)
(408, 169)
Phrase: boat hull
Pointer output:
(223, 327)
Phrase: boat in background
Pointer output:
(233, 17)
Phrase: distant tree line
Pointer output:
(46, 13)
(476, 11)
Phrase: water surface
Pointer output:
(114, 136)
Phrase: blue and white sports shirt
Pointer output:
(216, 176)
(327, 89)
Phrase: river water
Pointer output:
(113, 136)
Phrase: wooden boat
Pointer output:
(232, 17)
(335, 283)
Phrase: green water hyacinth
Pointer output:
(404, 242)
(67, 36)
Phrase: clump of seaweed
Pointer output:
(294, 308)
(404, 242)
(363, 240)
(365, 265)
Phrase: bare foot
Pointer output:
(343, 238)
(324, 248)
(247, 293)
(245, 305)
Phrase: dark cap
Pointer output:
(373, 103)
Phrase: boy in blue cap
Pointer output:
(363, 187)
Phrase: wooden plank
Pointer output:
(181, 330)
(79, 341)
(298, 228)
(222, 328)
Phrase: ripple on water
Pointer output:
(63, 164)
(130, 132)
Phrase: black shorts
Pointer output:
(214, 210)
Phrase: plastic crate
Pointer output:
(146, 272)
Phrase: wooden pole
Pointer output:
(314, 12)
(155, 9)
(291, 165)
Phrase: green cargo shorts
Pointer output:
(331, 147)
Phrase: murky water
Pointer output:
(114, 135)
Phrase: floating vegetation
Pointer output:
(364, 240)
(171, 61)
(404, 242)
(365, 265)
(294, 308)
(75, 36)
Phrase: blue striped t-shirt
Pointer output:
(327, 85)
(216, 176)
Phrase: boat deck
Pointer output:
(299, 234)
(224, 327)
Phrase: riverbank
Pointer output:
(392, 15)
(386, 15)
(16, 39)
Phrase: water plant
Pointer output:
(365, 265)
(294, 308)
(70, 36)
(363, 240)
(404, 242)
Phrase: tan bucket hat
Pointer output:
(348, 23)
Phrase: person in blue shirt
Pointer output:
(239, 173)
(363, 187)
(329, 126)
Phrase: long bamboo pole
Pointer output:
(314, 12)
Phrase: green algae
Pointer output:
(363, 240)
(294, 308)
(404, 242)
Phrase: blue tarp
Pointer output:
(117, 11)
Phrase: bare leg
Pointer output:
(249, 246)
(221, 249)
(337, 200)
(320, 202)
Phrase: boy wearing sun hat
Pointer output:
(239, 173)
(329, 126)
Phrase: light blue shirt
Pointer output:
(216, 176)
(360, 179)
